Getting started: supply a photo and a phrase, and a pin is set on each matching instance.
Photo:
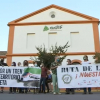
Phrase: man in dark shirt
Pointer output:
(43, 78)
(2, 64)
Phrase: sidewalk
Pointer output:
(80, 91)
(77, 91)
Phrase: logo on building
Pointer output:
(58, 27)
(66, 78)
(53, 28)
(46, 28)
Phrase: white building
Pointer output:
(50, 25)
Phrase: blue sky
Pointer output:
(13, 9)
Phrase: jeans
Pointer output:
(12, 89)
(54, 80)
(85, 90)
(20, 90)
(25, 89)
(47, 87)
(47, 83)
(36, 90)
(43, 79)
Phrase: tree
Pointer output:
(48, 58)
(97, 57)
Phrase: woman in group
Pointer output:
(48, 81)
(25, 64)
(20, 89)
(86, 61)
(13, 89)
(36, 89)
(2, 64)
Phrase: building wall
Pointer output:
(80, 37)
(59, 16)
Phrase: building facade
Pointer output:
(51, 25)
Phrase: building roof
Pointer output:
(56, 7)
(3, 53)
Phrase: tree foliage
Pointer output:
(48, 57)
(97, 57)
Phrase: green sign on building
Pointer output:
(46, 28)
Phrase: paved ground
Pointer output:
(30, 96)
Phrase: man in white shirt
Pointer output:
(85, 58)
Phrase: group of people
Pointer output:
(46, 78)
(54, 67)
(72, 90)
(45, 81)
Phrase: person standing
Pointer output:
(12, 89)
(86, 61)
(36, 65)
(19, 64)
(68, 90)
(48, 81)
(43, 78)
(25, 64)
(54, 67)
(2, 64)
(20, 89)
(36, 89)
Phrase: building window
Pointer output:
(74, 39)
(52, 14)
(52, 39)
(30, 40)
(74, 32)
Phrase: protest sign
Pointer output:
(20, 77)
(78, 76)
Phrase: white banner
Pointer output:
(20, 77)
(78, 76)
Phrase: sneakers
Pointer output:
(67, 93)
(59, 93)
(90, 93)
(84, 93)
(1, 91)
(56, 93)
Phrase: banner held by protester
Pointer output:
(20, 77)
(79, 76)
